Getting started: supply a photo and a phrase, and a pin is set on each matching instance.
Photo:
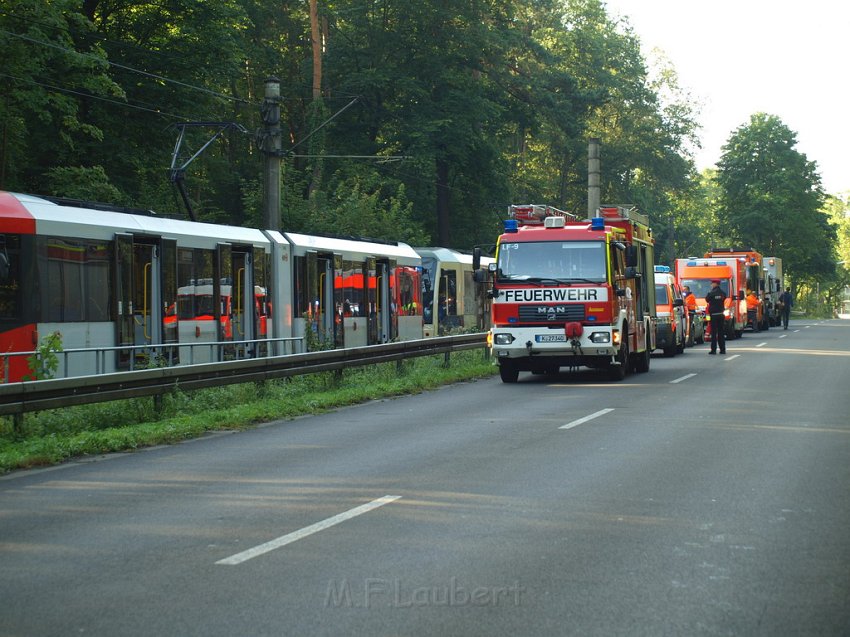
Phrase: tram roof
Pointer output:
(52, 218)
(401, 252)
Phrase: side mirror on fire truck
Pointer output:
(631, 257)
(476, 259)
(632, 272)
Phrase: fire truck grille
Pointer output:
(551, 313)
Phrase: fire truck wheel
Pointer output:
(508, 372)
(642, 359)
(618, 372)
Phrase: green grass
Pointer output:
(52, 437)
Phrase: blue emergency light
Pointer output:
(662, 268)
(597, 223)
(511, 225)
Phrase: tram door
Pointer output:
(145, 289)
(247, 301)
(325, 298)
(380, 302)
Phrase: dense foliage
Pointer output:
(415, 121)
(484, 104)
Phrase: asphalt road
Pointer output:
(710, 496)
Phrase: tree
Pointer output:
(49, 61)
(770, 198)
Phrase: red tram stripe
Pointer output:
(16, 218)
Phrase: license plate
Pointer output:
(550, 338)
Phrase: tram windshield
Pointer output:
(10, 286)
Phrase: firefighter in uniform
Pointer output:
(715, 304)
(753, 310)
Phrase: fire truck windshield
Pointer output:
(560, 261)
(701, 287)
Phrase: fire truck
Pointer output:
(754, 279)
(738, 270)
(569, 292)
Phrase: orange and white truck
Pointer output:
(569, 292)
(698, 273)
(755, 280)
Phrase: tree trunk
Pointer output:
(317, 49)
(443, 202)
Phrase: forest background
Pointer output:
(405, 121)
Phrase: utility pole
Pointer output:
(594, 178)
(271, 147)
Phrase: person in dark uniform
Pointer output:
(786, 300)
(715, 304)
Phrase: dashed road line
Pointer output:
(679, 380)
(289, 538)
(581, 421)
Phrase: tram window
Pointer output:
(194, 283)
(409, 291)
(352, 287)
(77, 282)
(10, 286)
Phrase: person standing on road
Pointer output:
(787, 301)
(690, 299)
(715, 304)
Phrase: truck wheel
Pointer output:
(642, 359)
(618, 372)
(508, 372)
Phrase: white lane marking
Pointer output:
(679, 380)
(783, 336)
(581, 421)
(795, 331)
(761, 344)
(732, 357)
(283, 540)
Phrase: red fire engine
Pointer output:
(568, 292)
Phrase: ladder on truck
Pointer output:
(535, 214)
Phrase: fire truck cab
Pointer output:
(569, 292)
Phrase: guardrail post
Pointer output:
(18, 424)
(446, 359)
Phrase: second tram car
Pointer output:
(451, 297)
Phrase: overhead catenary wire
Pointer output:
(100, 60)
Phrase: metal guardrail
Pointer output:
(30, 396)
(185, 353)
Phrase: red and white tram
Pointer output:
(127, 287)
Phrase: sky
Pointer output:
(787, 58)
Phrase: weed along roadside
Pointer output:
(52, 437)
